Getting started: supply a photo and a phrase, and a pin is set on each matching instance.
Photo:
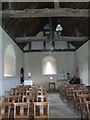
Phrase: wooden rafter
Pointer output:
(48, 50)
(46, 12)
(61, 38)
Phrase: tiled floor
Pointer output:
(58, 109)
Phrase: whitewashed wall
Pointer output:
(9, 82)
(0, 61)
(81, 63)
(89, 62)
(32, 62)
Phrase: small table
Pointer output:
(52, 83)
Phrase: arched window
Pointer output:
(9, 61)
(49, 65)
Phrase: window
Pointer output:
(9, 61)
(49, 66)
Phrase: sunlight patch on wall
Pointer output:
(49, 65)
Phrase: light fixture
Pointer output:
(51, 77)
(59, 28)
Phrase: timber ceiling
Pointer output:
(30, 26)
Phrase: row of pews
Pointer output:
(77, 96)
(25, 102)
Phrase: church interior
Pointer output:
(44, 60)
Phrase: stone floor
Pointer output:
(58, 109)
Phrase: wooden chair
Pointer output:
(41, 93)
(6, 106)
(0, 111)
(13, 91)
(21, 111)
(30, 91)
(41, 98)
(76, 99)
(79, 86)
(62, 91)
(12, 99)
(7, 93)
(0, 99)
(82, 99)
(88, 109)
(70, 95)
(27, 98)
(41, 110)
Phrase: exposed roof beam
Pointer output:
(48, 50)
(61, 38)
(56, 4)
(50, 28)
(10, 5)
(46, 12)
(77, 32)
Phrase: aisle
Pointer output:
(58, 109)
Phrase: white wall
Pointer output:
(32, 62)
(9, 82)
(81, 63)
(0, 61)
(89, 62)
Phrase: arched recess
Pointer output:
(10, 61)
(49, 65)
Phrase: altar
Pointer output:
(28, 82)
(53, 84)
